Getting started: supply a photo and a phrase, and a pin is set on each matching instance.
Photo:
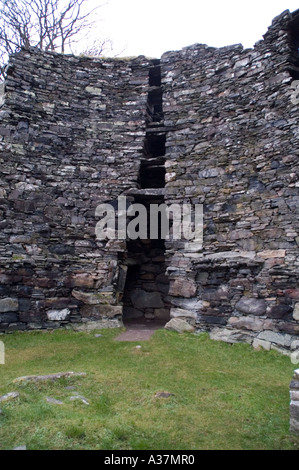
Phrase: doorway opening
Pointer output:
(145, 297)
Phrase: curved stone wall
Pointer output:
(72, 136)
(74, 132)
(232, 146)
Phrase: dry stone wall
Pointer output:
(72, 135)
(217, 127)
(232, 146)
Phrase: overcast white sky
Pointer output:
(152, 27)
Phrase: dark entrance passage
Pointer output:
(145, 296)
(146, 290)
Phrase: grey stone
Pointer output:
(260, 343)
(189, 304)
(49, 377)
(294, 403)
(101, 311)
(93, 298)
(231, 255)
(280, 339)
(9, 305)
(295, 357)
(93, 90)
(231, 336)
(182, 313)
(62, 249)
(251, 306)
(163, 394)
(58, 315)
(8, 317)
(281, 350)
(9, 396)
(81, 398)
(211, 172)
(53, 401)
(96, 325)
(250, 323)
(179, 325)
(296, 312)
(2, 94)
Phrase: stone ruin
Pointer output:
(204, 125)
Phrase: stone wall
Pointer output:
(72, 136)
(77, 132)
(232, 145)
(294, 404)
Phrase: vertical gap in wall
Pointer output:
(293, 34)
(146, 289)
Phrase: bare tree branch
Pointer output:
(50, 25)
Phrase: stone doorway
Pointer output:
(145, 296)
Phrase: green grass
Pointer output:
(224, 396)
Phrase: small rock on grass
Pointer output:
(20, 448)
(54, 401)
(80, 397)
(43, 378)
(9, 396)
(163, 395)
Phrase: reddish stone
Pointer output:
(279, 311)
(68, 282)
(290, 328)
(83, 280)
(100, 311)
(183, 288)
(56, 302)
(240, 282)
(44, 282)
(293, 293)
